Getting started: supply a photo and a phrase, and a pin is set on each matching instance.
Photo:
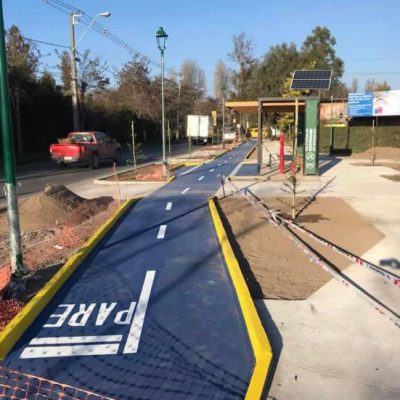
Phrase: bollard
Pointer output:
(282, 153)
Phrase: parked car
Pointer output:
(254, 132)
(85, 148)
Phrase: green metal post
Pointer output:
(8, 158)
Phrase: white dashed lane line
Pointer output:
(189, 170)
(185, 190)
(168, 206)
(219, 165)
(201, 178)
(161, 232)
(212, 169)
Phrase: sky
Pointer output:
(367, 33)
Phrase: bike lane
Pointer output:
(151, 313)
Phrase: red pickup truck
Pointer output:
(89, 148)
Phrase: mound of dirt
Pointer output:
(382, 153)
(46, 209)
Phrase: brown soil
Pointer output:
(151, 173)
(46, 209)
(273, 266)
(394, 178)
(252, 155)
(61, 222)
(391, 153)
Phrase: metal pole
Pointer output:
(179, 106)
(169, 142)
(223, 122)
(296, 128)
(133, 147)
(259, 137)
(164, 156)
(331, 134)
(17, 267)
(74, 79)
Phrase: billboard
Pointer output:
(387, 103)
(361, 104)
(371, 104)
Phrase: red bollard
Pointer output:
(282, 153)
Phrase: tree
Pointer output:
(268, 77)
(373, 86)
(221, 80)
(65, 69)
(193, 78)
(354, 86)
(318, 52)
(22, 61)
(242, 54)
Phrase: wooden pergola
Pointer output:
(264, 105)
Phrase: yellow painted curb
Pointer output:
(177, 166)
(20, 323)
(171, 178)
(258, 338)
(193, 163)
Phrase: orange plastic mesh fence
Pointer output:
(17, 385)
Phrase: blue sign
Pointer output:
(361, 104)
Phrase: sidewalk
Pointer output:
(334, 345)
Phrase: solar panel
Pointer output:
(315, 79)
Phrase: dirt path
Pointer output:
(273, 266)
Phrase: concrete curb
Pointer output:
(258, 338)
(21, 322)
(102, 181)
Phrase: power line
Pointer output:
(46, 43)
(87, 20)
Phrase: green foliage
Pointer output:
(360, 137)
(267, 77)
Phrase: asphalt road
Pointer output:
(151, 313)
(33, 178)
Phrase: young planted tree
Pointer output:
(291, 186)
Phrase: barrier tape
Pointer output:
(390, 276)
(278, 221)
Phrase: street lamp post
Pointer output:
(74, 78)
(17, 267)
(161, 37)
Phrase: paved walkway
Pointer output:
(335, 345)
(151, 313)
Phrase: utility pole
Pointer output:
(179, 106)
(223, 121)
(17, 267)
(331, 132)
(74, 78)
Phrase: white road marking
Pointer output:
(189, 170)
(76, 339)
(132, 343)
(185, 190)
(161, 232)
(235, 170)
(225, 161)
(168, 206)
(212, 169)
(219, 165)
(201, 178)
(69, 351)
(218, 175)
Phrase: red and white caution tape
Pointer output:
(280, 222)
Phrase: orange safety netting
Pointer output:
(17, 385)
